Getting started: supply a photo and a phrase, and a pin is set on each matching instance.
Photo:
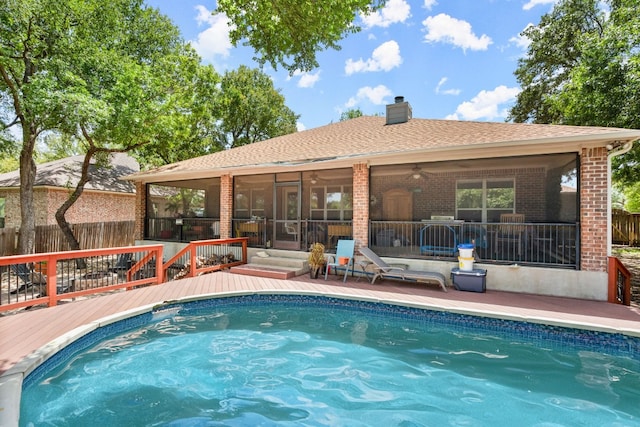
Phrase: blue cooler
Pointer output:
(472, 281)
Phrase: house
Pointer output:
(411, 189)
(105, 196)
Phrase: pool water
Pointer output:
(317, 361)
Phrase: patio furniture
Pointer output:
(292, 230)
(337, 231)
(123, 264)
(215, 229)
(438, 239)
(387, 271)
(342, 258)
(511, 230)
(26, 275)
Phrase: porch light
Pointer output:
(314, 178)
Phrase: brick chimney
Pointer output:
(398, 112)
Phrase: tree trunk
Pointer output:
(27, 236)
(73, 197)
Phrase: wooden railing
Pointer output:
(47, 278)
(207, 256)
(29, 280)
(619, 282)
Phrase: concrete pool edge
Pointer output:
(11, 381)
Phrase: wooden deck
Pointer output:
(23, 333)
(27, 338)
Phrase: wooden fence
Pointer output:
(625, 228)
(94, 235)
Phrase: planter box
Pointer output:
(473, 281)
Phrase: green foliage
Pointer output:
(251, 109)
(289, 33)
(100, 73)
(582, 68)
(351, 113)
(630, 198)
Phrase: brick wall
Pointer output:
(593, 213)
(140, 210)
(361, 204)
(435, 195)
(226, 205)
(92, 206)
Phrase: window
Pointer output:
(332, 202)
(250, 203)
(2, 214)
(484, 200)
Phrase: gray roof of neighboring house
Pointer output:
(65, 173)
(369, 139)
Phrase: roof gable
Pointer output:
(65, 173)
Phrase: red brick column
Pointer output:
(140, 210)
(361, 204)
(593, 209)
(226, 206)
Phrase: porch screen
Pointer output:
(484, 200)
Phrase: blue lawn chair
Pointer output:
(345, 249)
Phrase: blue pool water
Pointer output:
(302, 360)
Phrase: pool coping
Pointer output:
(11, 380)
(554, 311)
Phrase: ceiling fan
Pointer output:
(418, 173)
(314, 178)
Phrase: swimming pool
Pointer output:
(307, 360)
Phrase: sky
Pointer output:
(450, 59)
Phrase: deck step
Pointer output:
(258, 270)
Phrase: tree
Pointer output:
(582, 68)
(190, 130)
(290, 32)
(351, 113)
(101, 72)
(251, 109)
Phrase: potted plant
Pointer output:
(316, 259)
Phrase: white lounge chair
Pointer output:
(384, 270)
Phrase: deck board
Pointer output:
(25, 332)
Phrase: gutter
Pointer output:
(615, 149)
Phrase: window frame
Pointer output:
(323, 212)
(485, 209)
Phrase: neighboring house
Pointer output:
(534, 199)
(105, 197)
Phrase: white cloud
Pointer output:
(375, 95)
(307, 79)
(393, 12)
(300, 126)
(428, 4)
(439, 89)
(521, 41)
(384, 58)
(443, 28)
(533, 3)
(214, 40)
(486, 105)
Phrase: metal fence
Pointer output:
(545, 244)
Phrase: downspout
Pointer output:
(613, 152)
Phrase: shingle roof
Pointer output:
(369, 136)
(66, 172)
